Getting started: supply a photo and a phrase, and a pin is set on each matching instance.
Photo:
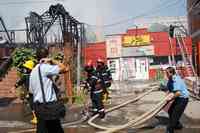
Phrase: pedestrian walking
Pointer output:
(178, 92)
(48, 109)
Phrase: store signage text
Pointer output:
(131, 41)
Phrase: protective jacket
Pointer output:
(105, 76)
(94, 81)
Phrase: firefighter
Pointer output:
(25, 71)
(96, 90)
(105, 75)
(178, 92)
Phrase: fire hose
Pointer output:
(135, 122)
(117, 107)
(94, 117)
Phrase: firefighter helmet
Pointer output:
(89, 63)
(29, 64)
(100, 60)
(89, 66)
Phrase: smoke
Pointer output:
(93, 12)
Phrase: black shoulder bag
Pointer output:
(49, 110)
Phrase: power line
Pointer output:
(139, 16)
(156, 8)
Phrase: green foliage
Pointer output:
(159, 75)
(57, 56)
(83, 75)
(163, 82)
(79, 100)
(79, 96)
(21, 55)
(22, 93)
(160, 78)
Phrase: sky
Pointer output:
(92, 12)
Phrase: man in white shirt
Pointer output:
(48, 69)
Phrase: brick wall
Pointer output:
(7, 84)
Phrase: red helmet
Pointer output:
(89, 66)
(89, 63)
(100, 60)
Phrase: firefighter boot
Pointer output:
(94, 111)
(169, 130)
(34, 120)
(105, 97)
(101, 113)
(179, 126)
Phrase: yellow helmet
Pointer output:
(29, 64)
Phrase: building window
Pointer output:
(157, 60)
(113, 50)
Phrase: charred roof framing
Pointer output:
(39, 25)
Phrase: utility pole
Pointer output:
(67, 75)
(80, 43)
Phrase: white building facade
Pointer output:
(129, 55)
(127, 62)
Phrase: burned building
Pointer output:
(193, 11)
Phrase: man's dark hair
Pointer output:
(42, 53)
(171, 70)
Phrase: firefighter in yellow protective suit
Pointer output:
(25, 71)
